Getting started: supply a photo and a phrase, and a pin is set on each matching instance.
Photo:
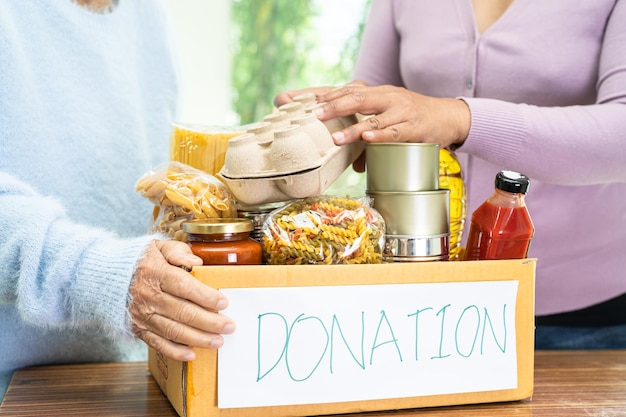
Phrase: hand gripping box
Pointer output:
(318, 340)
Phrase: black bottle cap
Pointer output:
(512, 182)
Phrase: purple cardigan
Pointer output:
(546, 86)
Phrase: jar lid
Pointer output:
(512, 182)
(218, 226)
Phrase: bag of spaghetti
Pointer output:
(324, 230)
(181, 193)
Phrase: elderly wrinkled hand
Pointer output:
(395, 114)
(170, 309)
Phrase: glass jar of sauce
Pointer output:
(223, 241)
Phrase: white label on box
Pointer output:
(308, 345)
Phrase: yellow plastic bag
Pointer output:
(451, 178)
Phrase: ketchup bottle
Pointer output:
(501, 227)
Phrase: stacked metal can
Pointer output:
(403, 181)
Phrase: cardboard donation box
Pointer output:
(315, 340)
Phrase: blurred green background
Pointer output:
(283, 45)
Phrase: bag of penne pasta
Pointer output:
(181, 193)
(324, 230)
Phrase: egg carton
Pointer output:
(288, 155)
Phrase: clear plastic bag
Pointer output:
(181, 193)
(324, 230)
(201, 147)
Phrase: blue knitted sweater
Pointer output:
(86, 104)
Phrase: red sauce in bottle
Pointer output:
(224, 241)
(501, 227)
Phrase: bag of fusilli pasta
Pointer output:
(324, 230)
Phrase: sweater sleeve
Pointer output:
(59, 273)
(574, 145)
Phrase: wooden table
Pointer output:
(567, 383)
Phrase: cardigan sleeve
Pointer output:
(573, 145)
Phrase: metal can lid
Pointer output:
(218, 226)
